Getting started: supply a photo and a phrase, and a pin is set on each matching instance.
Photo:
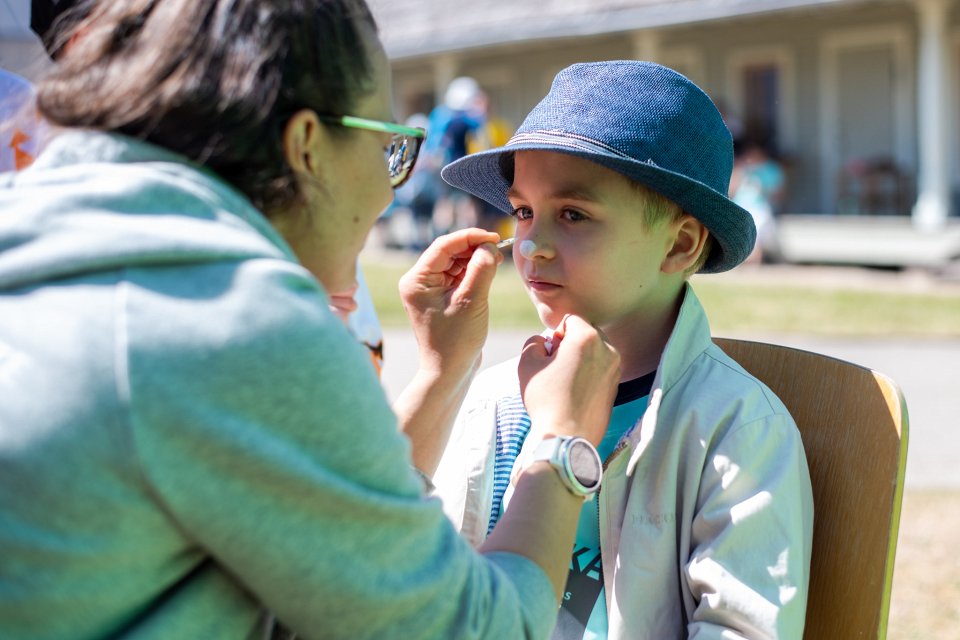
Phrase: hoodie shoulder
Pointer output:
(94, 203)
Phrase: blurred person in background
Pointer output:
(18, 122)
(22, 131)
(757, 184)
(451, 125)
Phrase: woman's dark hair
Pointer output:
(214, 80)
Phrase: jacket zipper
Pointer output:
(620, 447)
(613, 454)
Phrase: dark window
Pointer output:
(761, 95)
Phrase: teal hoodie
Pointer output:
(190, 441)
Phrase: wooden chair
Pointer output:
(853, 422)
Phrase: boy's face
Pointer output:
(592, 253)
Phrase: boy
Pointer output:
(702, 526)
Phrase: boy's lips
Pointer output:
(541, 285)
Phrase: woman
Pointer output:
(191, 444)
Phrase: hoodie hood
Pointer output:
(96, 202)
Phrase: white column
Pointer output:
(933, 93)
(646, 45)
(445, 69)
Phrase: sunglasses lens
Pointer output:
(401, 156)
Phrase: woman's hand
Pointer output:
(569, 388)
(445, 295)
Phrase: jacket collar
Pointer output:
(688, 340)
(690, 337)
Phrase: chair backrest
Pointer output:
(853, 422)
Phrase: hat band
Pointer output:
(571, 141)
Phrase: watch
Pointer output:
(577, 462)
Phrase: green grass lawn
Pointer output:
(733, 307)
(840, 312)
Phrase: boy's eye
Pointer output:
(573, 215)
(522, 213)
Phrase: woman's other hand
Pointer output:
(569, 387)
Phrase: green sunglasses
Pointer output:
(404, 147)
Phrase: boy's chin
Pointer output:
(551, 318)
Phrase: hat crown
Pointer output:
(642, 111)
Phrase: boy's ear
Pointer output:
(689, 240)
(301, 142)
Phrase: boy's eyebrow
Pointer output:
(584, 195)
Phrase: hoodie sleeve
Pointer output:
(262, 430)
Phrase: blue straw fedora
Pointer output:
(642, 120)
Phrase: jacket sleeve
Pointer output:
(464, 477)
(262, 430)
(748, 567)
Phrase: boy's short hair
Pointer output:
(658, 209)
(644, 121)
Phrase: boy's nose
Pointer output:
(535, 239)
(527, 248)
(536, 246)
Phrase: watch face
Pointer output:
(585, 464)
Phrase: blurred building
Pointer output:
(860, 98)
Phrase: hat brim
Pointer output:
(731, 226)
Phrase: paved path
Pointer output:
(928, 371)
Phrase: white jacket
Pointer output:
(706, 509)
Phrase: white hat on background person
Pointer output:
(461, 93)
